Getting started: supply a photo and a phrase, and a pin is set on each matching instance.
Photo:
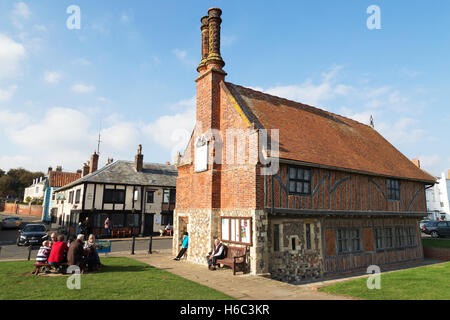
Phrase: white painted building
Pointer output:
(438, 200)
(36, 190)
(139, 198)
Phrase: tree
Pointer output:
(2, 173)
(16, 180)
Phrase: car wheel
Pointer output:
(18, 242)
(434, 234)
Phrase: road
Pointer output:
(9, 252)
(9, 249)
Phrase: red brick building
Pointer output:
(343, 197)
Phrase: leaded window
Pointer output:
(299, 181)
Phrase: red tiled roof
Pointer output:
(316, 136)
(59, 179)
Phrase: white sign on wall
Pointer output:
(201, 154)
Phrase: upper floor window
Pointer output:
(393, 189)
(114, 196)
(169, 196)
(299, 181)
(150, 196)
(71, 197)
(78, 196)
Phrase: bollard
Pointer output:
(150, 245)
(0, 251)
(132, 245)
(29, 253)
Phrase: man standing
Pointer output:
(184, 246)
(87, 228)
(217, 253)
(108, 227)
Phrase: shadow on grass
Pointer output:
(119, 268)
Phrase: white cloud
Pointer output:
(172, 132)
(104, 99)
(52, 77)
(401, 131)
(22, 10)
(313, 94)
(180, 54)
(11, 55)
(82, 88)
(10, 120)
(81, 62)
(7, 93)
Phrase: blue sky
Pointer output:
(131, 69)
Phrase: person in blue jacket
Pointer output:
(184, 246)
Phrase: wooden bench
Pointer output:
(235, 256)
(39, 265)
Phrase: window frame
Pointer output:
(276, 237)
(78, 196)
(393, 193)
(302, 181)
(152, 192)
(114, 200)
(340, 239)
(239, 219)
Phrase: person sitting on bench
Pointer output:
(217, 253)
(184, 246)
(43, 254)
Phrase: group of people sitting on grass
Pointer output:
(76, 252)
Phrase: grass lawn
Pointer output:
(423, 283)
(121, 278)
(436, 243)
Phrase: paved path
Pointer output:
(243, 287)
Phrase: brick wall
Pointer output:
(23, 209)
(436, 253)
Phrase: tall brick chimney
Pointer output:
(209, 90)
(416, 162)
(50, 169)
(85, 169)
(210, 71)
(94, 163)
(139, 160)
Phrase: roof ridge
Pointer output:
(335, 115)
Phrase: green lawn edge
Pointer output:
(121, 279)
(422, 283)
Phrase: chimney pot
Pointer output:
(214, 21)
(59, 168)
(205, 42)
(50, 169)
(416, 162)
(85, 169)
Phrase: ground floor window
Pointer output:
(276, 237)
(388, 241)
(308, 236)
(411, 235)
(166, 218)
(133, 220)
(342, 240)
(378, 232)
(236, 230)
